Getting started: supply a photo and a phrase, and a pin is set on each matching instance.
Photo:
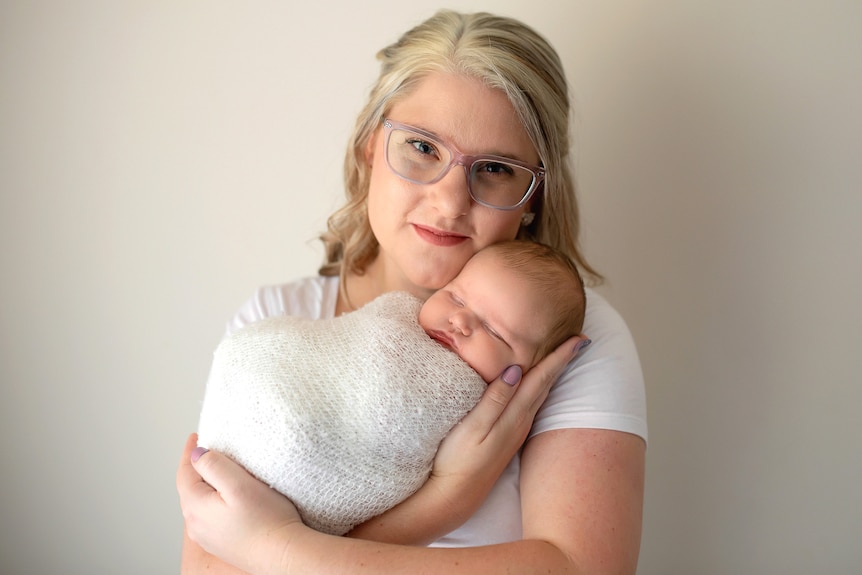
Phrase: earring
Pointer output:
(527, 218)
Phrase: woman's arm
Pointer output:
(472, 457)
(582, 494)
(466, 467)
(582, 500)
(195, 561)
(576, 484)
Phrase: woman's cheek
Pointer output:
(498, 226)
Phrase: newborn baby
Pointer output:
(343, 416)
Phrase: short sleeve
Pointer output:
(603, 387)
(312, 298)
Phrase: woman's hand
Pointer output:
(228, 512)
(473, 455)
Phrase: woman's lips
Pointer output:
(438, 237)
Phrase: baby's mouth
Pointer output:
(443, 339)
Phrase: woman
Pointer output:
(488, 94)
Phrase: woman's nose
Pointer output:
(450, 195)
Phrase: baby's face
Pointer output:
(489, 316)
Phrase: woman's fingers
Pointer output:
(474, 453)
(185, 469)
(497, 426)
(518, 395)
(190, 484)
(210, 473)
(495, 399)
(536, 385)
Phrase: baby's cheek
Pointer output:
(490, 361)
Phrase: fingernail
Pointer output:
(582, 345)
(512, 374)
(197, 452)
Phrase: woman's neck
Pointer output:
(361, 289)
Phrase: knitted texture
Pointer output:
(341, 415)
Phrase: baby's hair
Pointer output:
(556, 278)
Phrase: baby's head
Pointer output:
(513, 303)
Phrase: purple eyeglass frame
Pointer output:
(464, 160)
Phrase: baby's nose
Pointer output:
(462, 322)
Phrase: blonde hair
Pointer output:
(504, 54)
(555, 279)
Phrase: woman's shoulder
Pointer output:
(312, 297)
(603, 387)
(602, 320)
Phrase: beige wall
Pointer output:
(158, 160)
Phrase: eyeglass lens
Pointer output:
(422, 160)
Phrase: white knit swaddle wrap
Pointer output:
(342, 415)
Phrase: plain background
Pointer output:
(159, 160)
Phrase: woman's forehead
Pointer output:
(464, 112)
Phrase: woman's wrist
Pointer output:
(277, 552)
(427, 515)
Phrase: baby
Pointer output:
(344, 415)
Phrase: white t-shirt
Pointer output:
(602, 388)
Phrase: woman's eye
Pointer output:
(423, 147)
(496, 168)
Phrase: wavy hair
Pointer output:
(505, 54)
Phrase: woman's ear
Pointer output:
(369, 148)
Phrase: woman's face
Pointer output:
(427, 232)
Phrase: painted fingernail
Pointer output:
(512, 374)
(197, 452)
(582, 345)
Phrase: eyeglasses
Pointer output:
(493, 181)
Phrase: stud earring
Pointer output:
(527, 218)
